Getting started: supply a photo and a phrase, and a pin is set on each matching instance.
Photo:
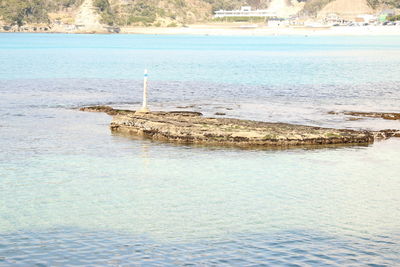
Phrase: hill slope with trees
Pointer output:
(142, 12)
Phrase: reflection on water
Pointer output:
(144, 154)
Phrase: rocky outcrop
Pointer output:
(386, 134)
(192, 128)
(105, 109)
(381, 115)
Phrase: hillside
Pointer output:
(91, 15)
(118, 12)
(346, 9)
(314, 7)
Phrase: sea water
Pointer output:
(73, 193)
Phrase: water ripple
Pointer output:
(68, 246)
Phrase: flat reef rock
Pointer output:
(382, 115)
(192, 128)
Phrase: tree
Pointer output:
(19, 12)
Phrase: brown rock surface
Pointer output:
(383, 115)
(386, 134)
(192, 128)
(106, 109)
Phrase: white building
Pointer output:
(245, 11)
(366, 18)
(278, 23)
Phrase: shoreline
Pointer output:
(268, 31)
(241, 30)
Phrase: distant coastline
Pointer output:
(233, 30)
(278, 17)
(244, 30)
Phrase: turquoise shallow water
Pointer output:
(71, 193)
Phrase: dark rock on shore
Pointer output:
(386, 134)
(192, 128)
(382, 115)
(106, 109)
(385, 116)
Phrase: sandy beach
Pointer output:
(252, 30)
(223, 29)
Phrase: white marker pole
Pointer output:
(144, 107)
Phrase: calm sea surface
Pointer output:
(72, 193)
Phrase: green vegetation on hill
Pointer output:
(160, 12)
(20, 12)
(220, 4)
(312, 7)
(139, 12)
(107, 14)
(153, 12)
(389, 3)
(55, 5)
(148, 12)
(118, 12)
(394, 18)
